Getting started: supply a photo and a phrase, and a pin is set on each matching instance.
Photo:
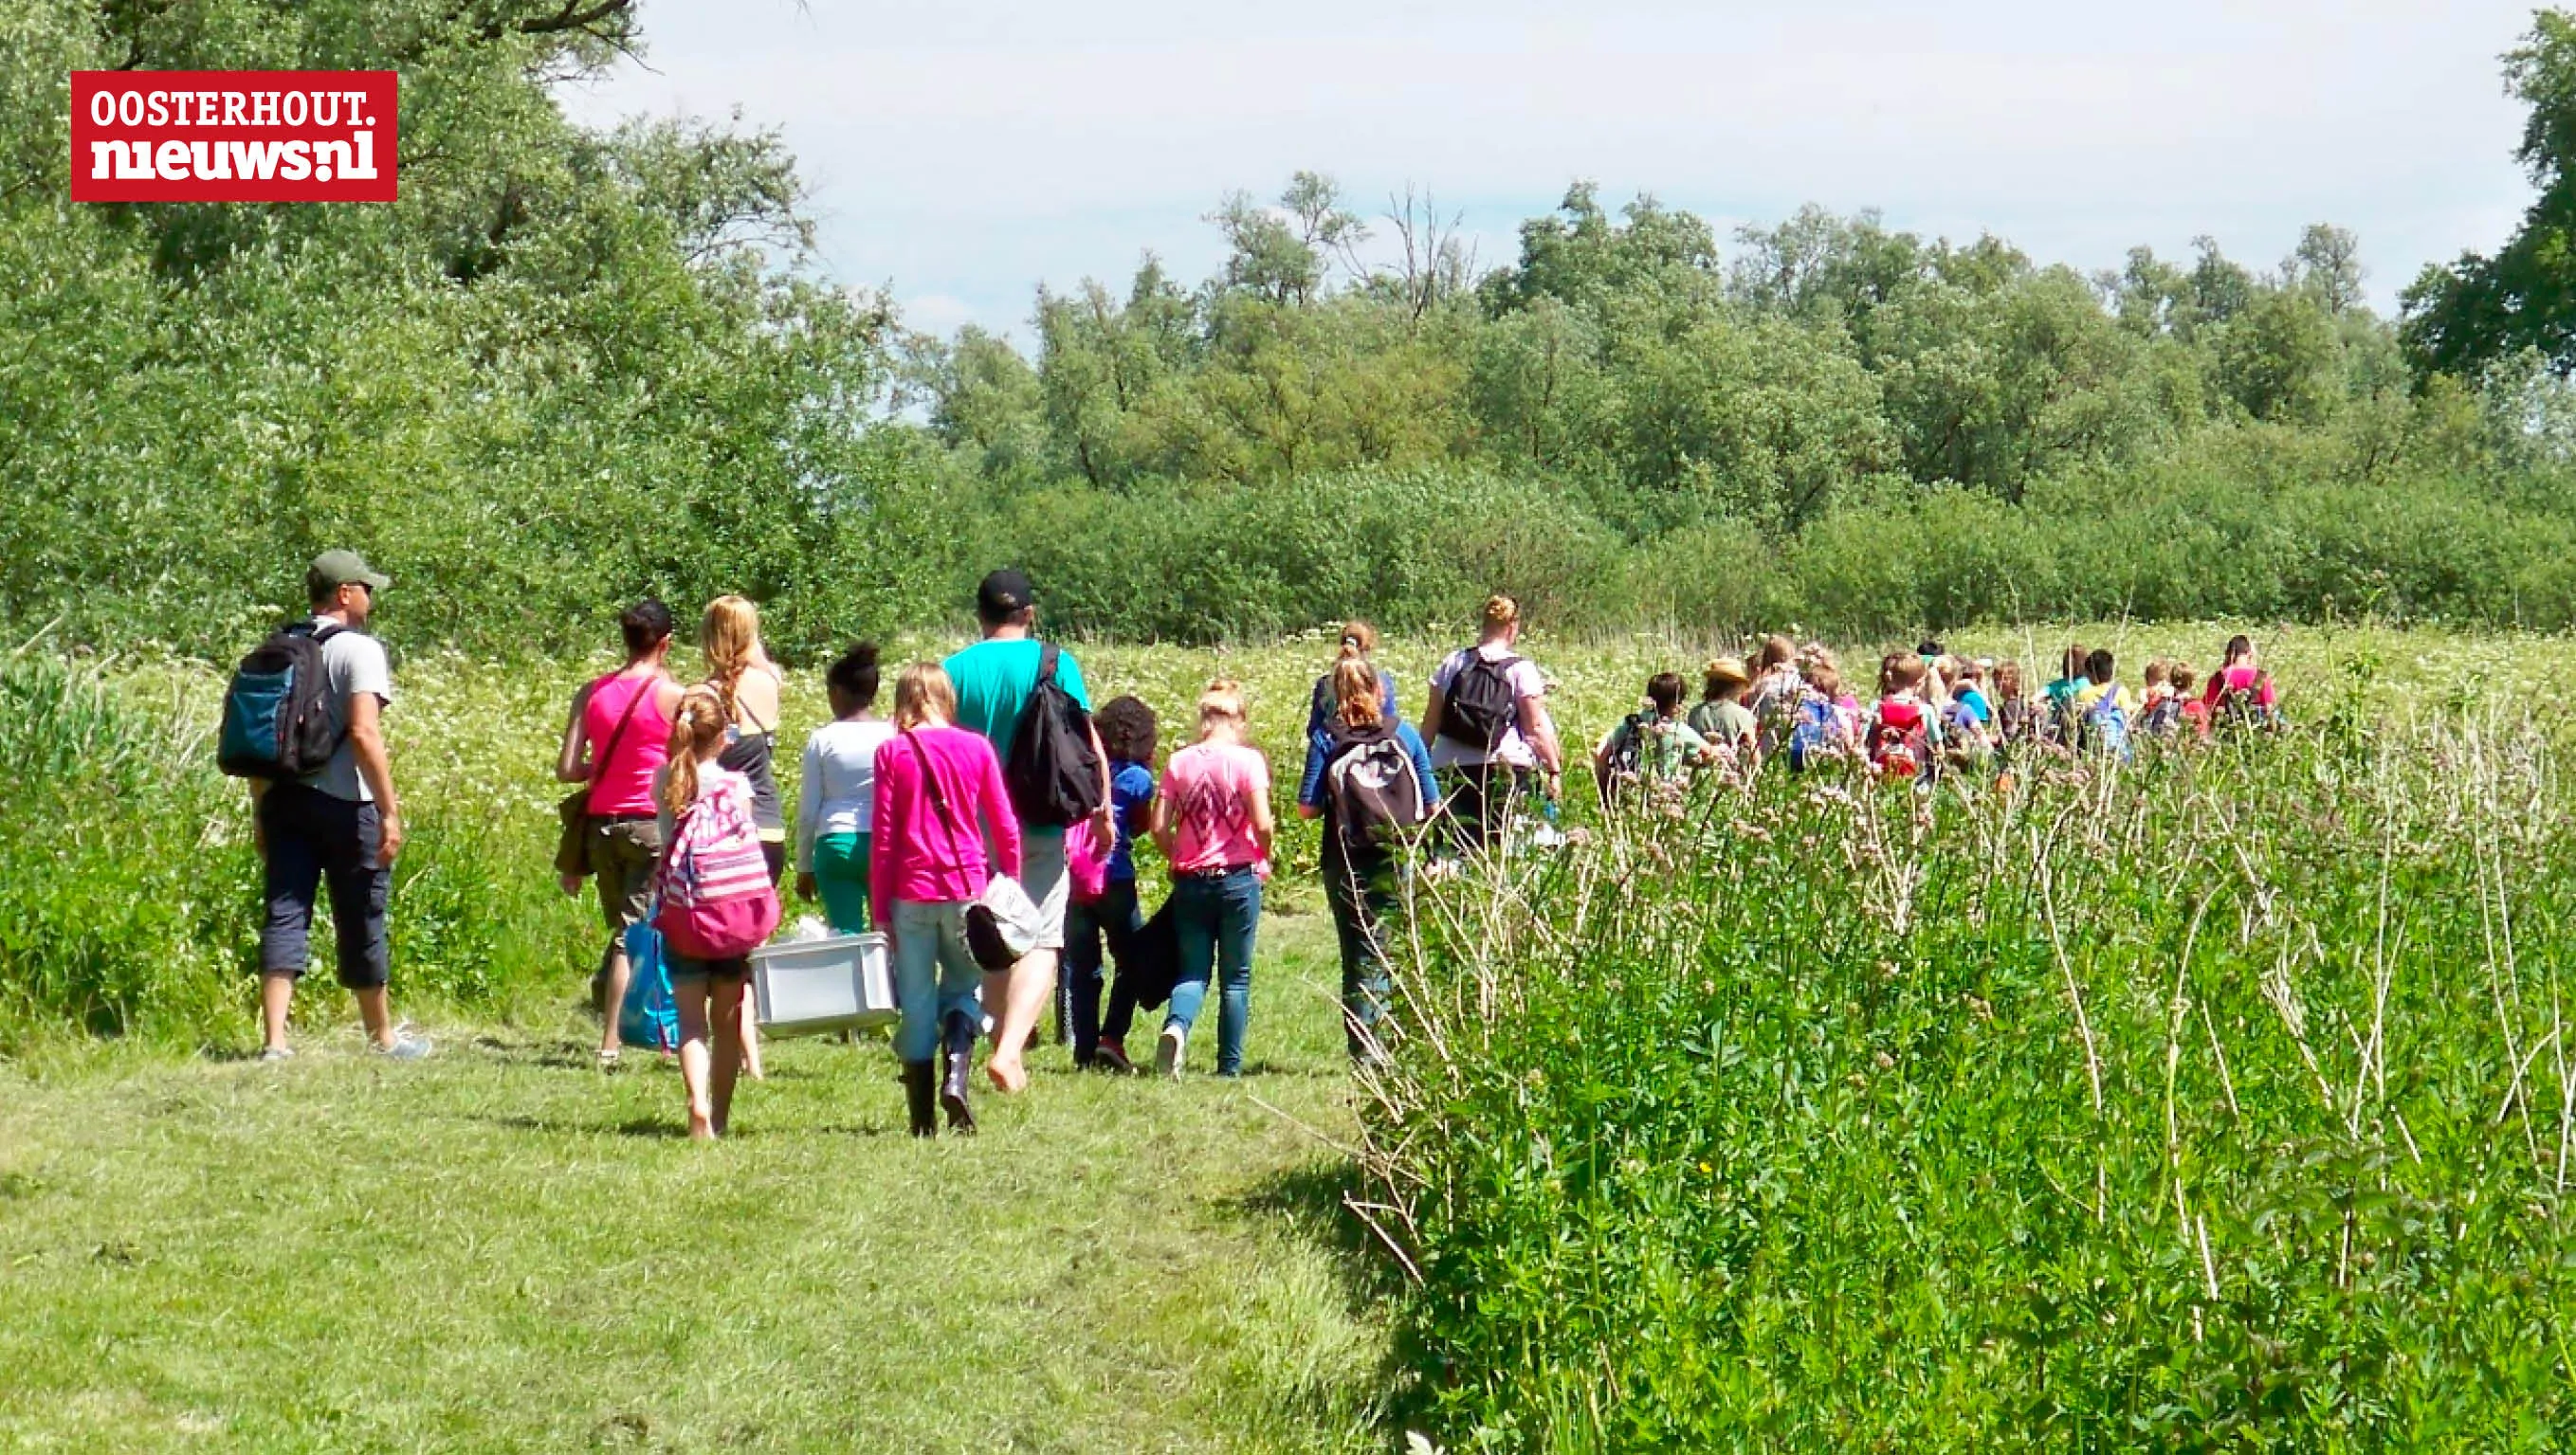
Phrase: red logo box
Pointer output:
(233, 136)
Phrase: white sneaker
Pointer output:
(406, 1047)
(1169, 1048)
(271, 1055)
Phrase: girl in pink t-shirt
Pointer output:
(1213, 822)
(2240, 694)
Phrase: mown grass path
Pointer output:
(503, 1249)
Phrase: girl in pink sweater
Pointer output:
(939, 802)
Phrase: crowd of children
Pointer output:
(1934, 712)
(990, 826)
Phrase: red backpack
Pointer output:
(716, 899)
(1900, 744)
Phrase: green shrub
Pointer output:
(1217, 563)
(131, 901)
(2203, 1107)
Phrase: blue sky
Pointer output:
(961, 152)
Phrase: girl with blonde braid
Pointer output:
(747, 682)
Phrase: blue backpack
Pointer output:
(650, 1017)
(1812, 732)
(279, 721)
(2106, 726)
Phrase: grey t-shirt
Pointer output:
(355, 663)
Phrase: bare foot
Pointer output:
(1009, 1077)
(702, 1127)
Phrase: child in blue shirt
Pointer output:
(1127, 732)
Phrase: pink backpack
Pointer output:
(1086, 859)
(716, 899)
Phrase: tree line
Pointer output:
(575, 365)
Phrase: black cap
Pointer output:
(1004, 594)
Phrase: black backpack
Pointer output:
(1370, 791)
(1480, 706)
(1628, 749)
(2242, 709)
(1052, 772)
(279, 722)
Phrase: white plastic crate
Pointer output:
(814, 986)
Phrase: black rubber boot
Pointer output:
(961, 1071)
(921, 1096)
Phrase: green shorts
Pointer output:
(623, 855)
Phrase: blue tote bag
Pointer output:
(650, 1017)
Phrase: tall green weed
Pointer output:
(2217, 1104)
(130, 889)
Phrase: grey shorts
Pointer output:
(1042, 875)
(623, 853)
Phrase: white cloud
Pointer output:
(939, 313)
(963, 152)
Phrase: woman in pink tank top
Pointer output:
(630, 739)
(616, 738)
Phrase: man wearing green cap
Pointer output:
(339, 827)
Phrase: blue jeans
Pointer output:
(1215, 920)
(1106, 924)
(935, 975)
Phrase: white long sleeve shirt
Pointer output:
(838, 795)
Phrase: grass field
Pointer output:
(501, 1249)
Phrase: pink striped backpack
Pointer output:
(716, 899)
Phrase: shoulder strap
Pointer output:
(742, 708)
(618, 733)
(938, 799)
(1046, 665)
(671, 846)
(930, 781)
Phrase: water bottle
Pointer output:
(1548, 835)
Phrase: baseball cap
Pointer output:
(1005, 593)
(334, 569)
